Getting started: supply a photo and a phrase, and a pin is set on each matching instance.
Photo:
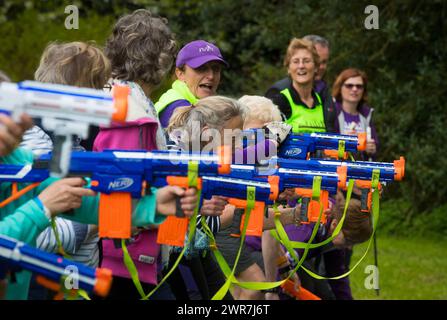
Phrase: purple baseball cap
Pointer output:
(197, 53)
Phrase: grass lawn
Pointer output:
(409, 268)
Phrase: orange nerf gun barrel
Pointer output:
(301, 294)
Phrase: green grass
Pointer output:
(409, 268)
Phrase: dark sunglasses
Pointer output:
(350, 86)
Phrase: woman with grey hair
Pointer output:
(141, 49)
(203, 127)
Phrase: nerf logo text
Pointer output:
(120, 184)
(293, 152)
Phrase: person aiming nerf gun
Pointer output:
(121, 176)
(53, 271)
(65, 110)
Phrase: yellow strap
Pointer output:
(193, 167)
(341, 149)
(375, 212)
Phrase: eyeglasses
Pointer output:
(350, 86)
(303, 61)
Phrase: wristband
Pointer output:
(42, 207)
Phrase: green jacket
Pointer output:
(179, 91)
(24, 220)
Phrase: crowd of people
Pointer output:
(140, 53)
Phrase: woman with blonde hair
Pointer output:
(299, 102)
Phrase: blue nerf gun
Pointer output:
(120, 176)
(299, 146)
(53, 271)
(361, 171)
(65, 110)
(302, 180)
(240, 191)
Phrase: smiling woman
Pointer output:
(198, 68)
(300, 104)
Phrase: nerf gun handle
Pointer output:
(310, 209)
(366, 194)
(173, 230)
(255, 224)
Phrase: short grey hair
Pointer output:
(141, 48)
(260, 108)
(317, 39)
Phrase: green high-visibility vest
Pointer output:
(179, 91)
(303, 119)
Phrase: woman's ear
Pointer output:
(334, 224)
(180, 74)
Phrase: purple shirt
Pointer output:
(259, 152)
(166, 114)
(334, 260)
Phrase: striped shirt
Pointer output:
(37, 140)
(80, 241)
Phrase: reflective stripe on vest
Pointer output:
(303, 119)
(179, 91)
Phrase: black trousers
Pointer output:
(206, 273)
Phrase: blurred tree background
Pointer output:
(405, 60)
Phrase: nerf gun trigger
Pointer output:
(366, 194)
(103, 282)
(274, 187)
(399, 168)
(120, 95)
(361, 146)
(236, 223)
(224, 153)
(342, 172)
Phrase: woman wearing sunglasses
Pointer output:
(353, 115)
